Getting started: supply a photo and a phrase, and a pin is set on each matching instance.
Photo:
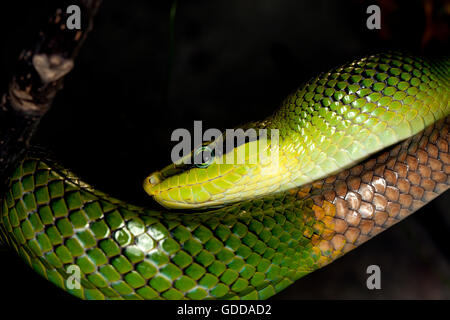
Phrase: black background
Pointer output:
(233, 61)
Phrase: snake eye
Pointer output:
(203, 157)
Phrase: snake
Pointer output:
(359, 148)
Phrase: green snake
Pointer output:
(359, 148)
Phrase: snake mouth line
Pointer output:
(150, 189)
(186, 185)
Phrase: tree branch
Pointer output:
(39, 76)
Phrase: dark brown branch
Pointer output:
(39, 76)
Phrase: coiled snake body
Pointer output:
(258, 246)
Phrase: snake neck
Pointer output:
(341, 117)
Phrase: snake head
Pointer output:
(210, 177)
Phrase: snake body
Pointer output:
(256, 247)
